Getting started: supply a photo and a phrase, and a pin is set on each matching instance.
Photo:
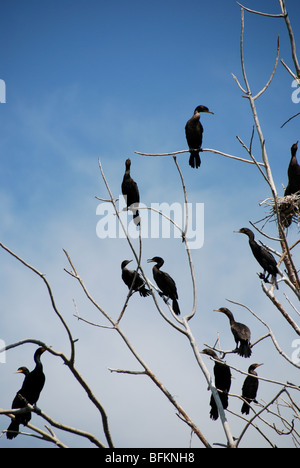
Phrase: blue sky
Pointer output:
(90, 79)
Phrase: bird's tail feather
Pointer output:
(214, 413)
(14, 427)
(195, 160)
(244, 350)
(245, 408)
(136, 218)
(144, 291)
(224, 399)
(176, 307)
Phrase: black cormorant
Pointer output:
(194, 134)
(32, 386)
(293, 173)
(131, 193)
(263, 256)
(165, 283)
(250, 387)
(241, 333)
(222, 375)
(128, 277)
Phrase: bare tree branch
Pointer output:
(230, 156)
(270, 15)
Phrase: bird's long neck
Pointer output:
(196, 115)
(127, 170)
(294, 153)
(159, 264)
(250, 236)
(214, 355)
(38, 363)
(229, 315)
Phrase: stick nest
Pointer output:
(288, 207)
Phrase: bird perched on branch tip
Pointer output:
(194, 135)
(131, 193)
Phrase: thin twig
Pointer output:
(273, 72)
(209, 150)
(260, 13)
(291, 118)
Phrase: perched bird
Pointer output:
(241, 333)
(293, 173)
(250, 387)
(131, 193)
(292, 188)
(194, 134)
(222, 375)
(29, 393)
(128, 278)
(165, 283)
(264, 258)
(18, 402)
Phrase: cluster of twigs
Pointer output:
(288, 207)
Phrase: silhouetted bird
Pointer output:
(194, 135)
(131, 193)
(250, 387)
(293, 173)
(264, 258)
(241, 333)
(222, 375)
(29, 393)
(128, 276)
(165, 283)
(292, 187)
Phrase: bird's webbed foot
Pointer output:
(263, 277)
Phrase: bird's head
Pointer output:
(222, 309)
(209, 352)
(254, 366)
(203, 109)
(124, 263)
(294, 148)
(22, 370)
(39, 352)
(246, 231)
(155, 260)
(127, 163)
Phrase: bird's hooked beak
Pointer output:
(210, 112)
(240, 231)
(150, 260)
(19, 371)
(258, 365)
